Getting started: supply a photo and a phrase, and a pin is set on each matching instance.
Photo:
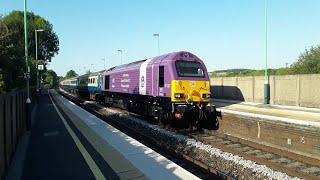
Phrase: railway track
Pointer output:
(290, 163)
(271, 157)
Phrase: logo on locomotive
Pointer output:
(142, 81)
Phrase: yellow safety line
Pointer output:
(92, 165)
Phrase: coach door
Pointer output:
(99, 81)
(107, 82)
(161, 81)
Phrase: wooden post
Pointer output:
(14, 120)
(2, 144)
(8, 129)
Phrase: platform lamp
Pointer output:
(84, 69)
(92, 66)
(266, 77)
(104, 61)
(158, 37)
(36, 42)
(27, 74)
(121, 52)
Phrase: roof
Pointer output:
(120, 67)
(127, 65)
(96, 73)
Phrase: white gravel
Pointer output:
(261, 170)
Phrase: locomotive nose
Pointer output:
(194, 96)
(190, 91)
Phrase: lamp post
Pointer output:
(84, 69)
(92, 66)
(28, 101)
(104, 61)
(120, 51)
(36, 42)
(266, 77)
(158, 37)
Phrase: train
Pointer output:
(172, 89)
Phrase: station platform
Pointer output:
(67, 142)
(288, 114)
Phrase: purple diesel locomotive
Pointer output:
(173, 89)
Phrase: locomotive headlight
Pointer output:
(206, 96)
(178, 95)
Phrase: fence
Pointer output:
(296, 90)
(12, 125)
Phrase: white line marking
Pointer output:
(51, 133)
(92, 165)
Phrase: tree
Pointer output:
(12, 61)
(308, 62)
(71, 74)
(88, 71)
(51, 78)
(3, 28)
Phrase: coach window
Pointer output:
(107, 82)
(161, 76)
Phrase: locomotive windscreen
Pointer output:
(189, 69)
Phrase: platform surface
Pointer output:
(110, 142)
(51, 152)
(67, 142)
(293, 114)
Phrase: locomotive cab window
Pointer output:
(161, 76)
(189, 69)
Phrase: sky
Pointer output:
(225, 34)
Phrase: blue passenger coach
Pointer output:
(94, 85)
(89, 85)
(71, 84)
